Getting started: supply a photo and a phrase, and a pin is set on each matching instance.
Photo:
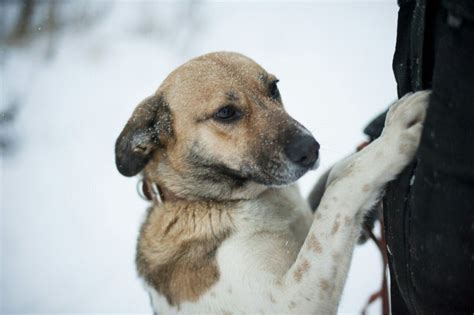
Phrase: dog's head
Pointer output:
(216, 128)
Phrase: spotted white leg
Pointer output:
(315, 281)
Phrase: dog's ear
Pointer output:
(145, 131)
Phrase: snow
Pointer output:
(69, 220)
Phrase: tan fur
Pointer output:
(177, 246)
(314, 244)
(301, 270)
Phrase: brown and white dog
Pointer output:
(232, 233)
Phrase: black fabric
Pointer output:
(429, 209)
(374, 129)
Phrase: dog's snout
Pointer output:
(303, 150)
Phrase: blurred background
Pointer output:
(73, 71)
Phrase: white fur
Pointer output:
(274, 234)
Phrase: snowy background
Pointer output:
(69, 221)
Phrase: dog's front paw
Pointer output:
(403, 127)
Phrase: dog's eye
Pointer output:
(227, 113)
(274, 93)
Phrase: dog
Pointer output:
(228, 231)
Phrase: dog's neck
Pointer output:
(157, 193)
(197, 183)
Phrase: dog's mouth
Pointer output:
(275, 174)
(282, 174)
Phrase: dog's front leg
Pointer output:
(315, 281)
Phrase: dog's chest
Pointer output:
(267, 237)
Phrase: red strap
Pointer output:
(383, 292)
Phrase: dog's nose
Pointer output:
(303, 150)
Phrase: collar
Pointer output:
(152, 191)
